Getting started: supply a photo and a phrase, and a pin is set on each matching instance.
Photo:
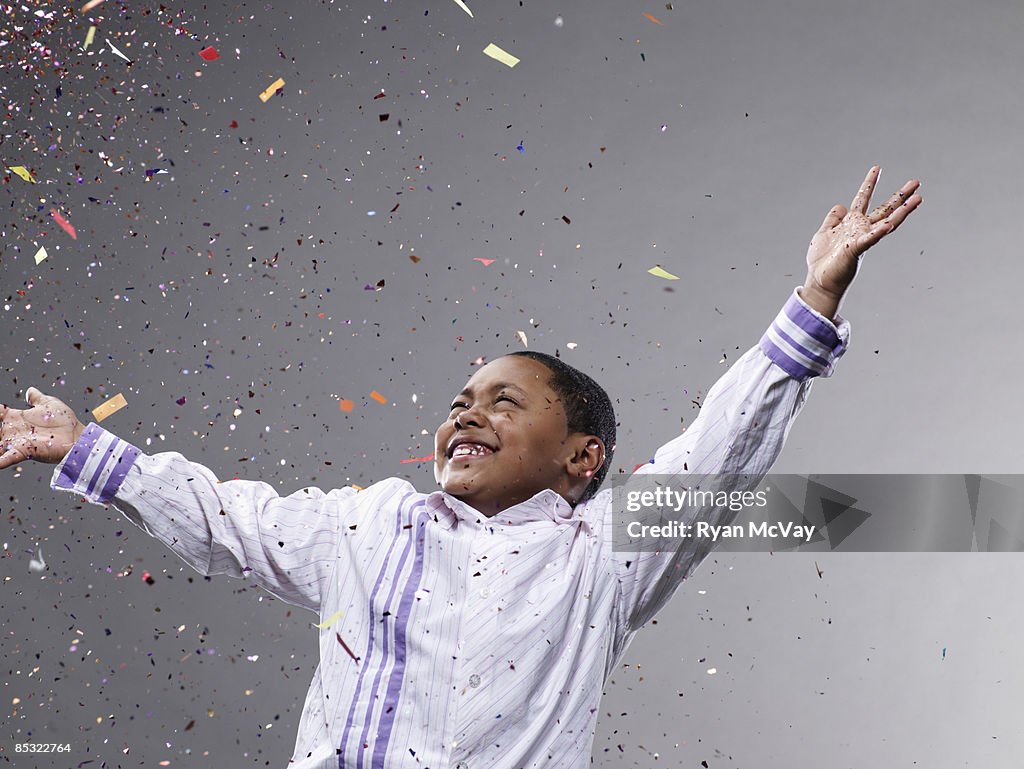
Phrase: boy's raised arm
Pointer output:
(746, 416)
(287, 545)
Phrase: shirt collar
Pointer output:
(544, 505)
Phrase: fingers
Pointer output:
(892, 203)
(887, 225)
(8, 458)
(833, 217)
(863, 197)
(33, 396)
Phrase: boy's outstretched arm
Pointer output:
(287, 545)
(747, 414)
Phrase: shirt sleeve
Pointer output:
(287, 545)
(740, 430)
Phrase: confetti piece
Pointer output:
(89, 37)
(90, 5)
(521, 335)
(64, 223)
(40, 565)
(279, 83)
(41, 254)
(653, 19)
(109, 407)
(428, 458)
(484, 262)
(23, 173)
(331, 620)
(712, 671)
(209, 53)
(498, 54)
(378, 397)
(346, 404)
(345, 646)
(357, 488)
(571, 345)
(462, 5)
(112, 48)
(657, 272)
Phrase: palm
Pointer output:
(835, 250)
(44, 432)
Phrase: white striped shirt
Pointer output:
(464, 642)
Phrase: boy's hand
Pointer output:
(46, 432)
(834, 254)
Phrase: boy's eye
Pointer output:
(460, 404)
(504, 398)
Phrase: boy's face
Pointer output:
(515, 429)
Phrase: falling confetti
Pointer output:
(330, 620)
(279, 83)
(41, 254)
(346, 404)
(521, 335)
(498, 54)
(40, 565)
(378, 397)
(23, 173)
(209, 53)
(428, 458)
(89, 37)
(64, 223)
(651, 18)
(109, 407)
(90, 5)
(463, 6)
(657, 272)
(484, 262)
(114, 49)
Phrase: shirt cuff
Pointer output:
(803, 342)
(96, 465)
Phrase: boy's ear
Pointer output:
(588, 456)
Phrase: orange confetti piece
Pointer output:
(378, 397)
(346, 405)
(90, 5)
(652, 18)
(485, 262)
(64, 223)
(428, 458)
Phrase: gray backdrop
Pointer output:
(711, 144)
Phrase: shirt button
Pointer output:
(485, 592)
(474, 680)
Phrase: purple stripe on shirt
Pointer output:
(124, 463)
(799, 347)
(783, 361)
(101, 466)
(385, 651)
(349, 721)
(74, 463)
(809, 322)
(387, 723)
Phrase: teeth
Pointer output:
(466, 449)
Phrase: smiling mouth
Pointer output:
(470, 451)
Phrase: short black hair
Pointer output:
(588, 409)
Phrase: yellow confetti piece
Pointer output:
(463, 6)
(41, 254)
(378, 397)
(522, 338)
(330, 620)
(279, 83)
(357, 488)
(107, 408)
(89, 37)
(498, 54)
(23, 173)
(657, 272)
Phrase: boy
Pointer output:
(473, 627)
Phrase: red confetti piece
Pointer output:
(345, 646)
(64, 223)
(209, 53)
(428, 458)
(485, 262)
